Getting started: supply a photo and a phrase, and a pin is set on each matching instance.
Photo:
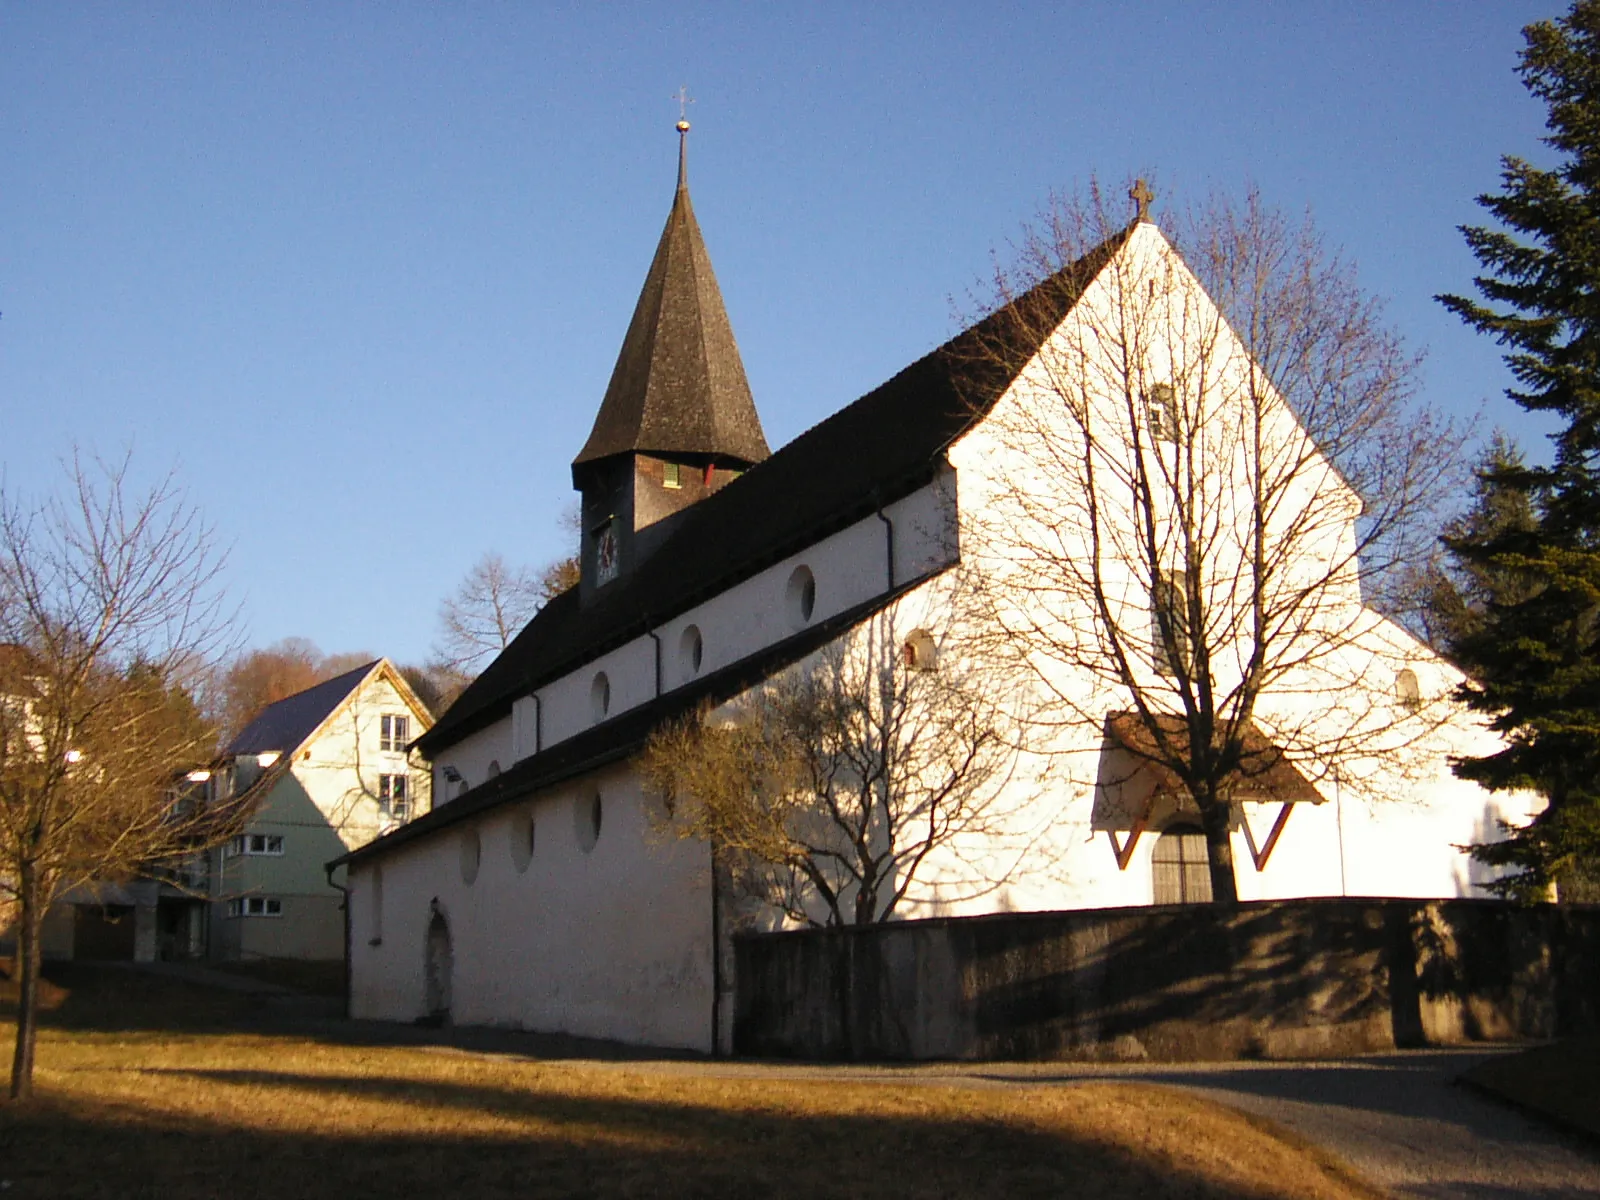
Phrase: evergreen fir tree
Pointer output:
(1534, 655)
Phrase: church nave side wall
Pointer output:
(609, 941)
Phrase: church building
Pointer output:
(540, 893)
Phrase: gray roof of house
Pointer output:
(284, 725)
(679, 385)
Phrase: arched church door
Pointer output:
(438, 967)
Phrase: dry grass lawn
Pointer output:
(148, 1111)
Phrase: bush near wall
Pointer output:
(1277, 979)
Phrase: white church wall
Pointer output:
(848, 568)
(612, 941)
(471, 758)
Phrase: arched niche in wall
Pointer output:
(919, 651)
(588, 811)
(522, 839)
(691, 650)
(471, 856)
(800, 595)
(600, 696)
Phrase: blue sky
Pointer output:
(360, 271)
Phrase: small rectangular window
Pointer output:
(255, 906)
(394, 797)
(672, 476)
(393, 732)
(1161, 407)
(1169, 624)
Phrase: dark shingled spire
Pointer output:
(679, 386)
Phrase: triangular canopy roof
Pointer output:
(679, 385)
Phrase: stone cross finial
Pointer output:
(1141, 195)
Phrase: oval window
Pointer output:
(471, 856)
(802, 595)
(522, 840)
(600, 696)
(586, 816)
(691, 650)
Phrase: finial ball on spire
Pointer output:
(683, 127)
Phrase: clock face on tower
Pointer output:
(605, 553)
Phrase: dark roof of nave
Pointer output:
(872, 452)
(625, 733)
(679, 385)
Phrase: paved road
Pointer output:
(1399, 1119)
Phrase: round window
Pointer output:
(522, 840)
(691, 649)
(471, 855)
(586, 816)
(802, 595)
(600, 696)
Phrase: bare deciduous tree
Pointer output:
(261, 677)
(110, 607)
(825, 791)
(492, 605)
(1203, 474)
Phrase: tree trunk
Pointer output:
(1214, 819)
(29, 957)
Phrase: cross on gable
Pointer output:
(1141, 195)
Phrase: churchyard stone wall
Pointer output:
(1282, 979)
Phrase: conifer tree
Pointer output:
(1534, 657)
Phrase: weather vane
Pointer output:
(684, 101)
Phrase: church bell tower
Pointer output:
(677, 421)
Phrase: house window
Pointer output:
(393, 732)
(1182, 871)
(256, 844)
(394, 797)
(1169, 622)
(255, 906)
(672, 475)
(1161, 410)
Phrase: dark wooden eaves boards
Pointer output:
(627, 732)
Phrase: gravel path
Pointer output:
(1399, 1119)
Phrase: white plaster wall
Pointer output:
(471, 757)
(850, 567)
(610, 943)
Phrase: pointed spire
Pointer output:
(679, 385)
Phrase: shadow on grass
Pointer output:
(549, 1144)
